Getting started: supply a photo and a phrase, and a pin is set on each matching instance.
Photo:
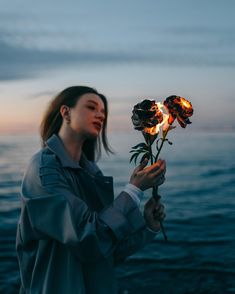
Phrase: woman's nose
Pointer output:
(100, 115)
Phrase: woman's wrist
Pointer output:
(135, 193)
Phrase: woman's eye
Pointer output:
(91, 107)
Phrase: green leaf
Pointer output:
(143, 145)
(132, 151)
(136, 157)
(133, 156)
(169, 142)
(138, 151)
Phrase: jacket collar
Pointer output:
(103, 183)
(55, 144)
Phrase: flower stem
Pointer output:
(156, 197)
(150, 152)
(155, 188)
(162, 142)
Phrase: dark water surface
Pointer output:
(199, 196)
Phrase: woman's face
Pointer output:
(88, 115)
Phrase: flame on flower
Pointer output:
(146, 115)
(179, 108)
(161, 122)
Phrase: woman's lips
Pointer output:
(97, 125)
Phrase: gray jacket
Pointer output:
(71, 231)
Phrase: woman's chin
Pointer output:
(93, 134)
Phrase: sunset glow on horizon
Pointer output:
(128, 55)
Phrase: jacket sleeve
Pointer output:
(132, 244)
(56, 213)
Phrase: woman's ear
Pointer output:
(65, 113)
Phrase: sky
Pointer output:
(128, 50)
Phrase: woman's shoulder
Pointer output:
(43, 168)
(44, 158)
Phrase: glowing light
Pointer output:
(156, 129)
(185, 103)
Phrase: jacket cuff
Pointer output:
(152, 231)
(123, 216)
(135, 193)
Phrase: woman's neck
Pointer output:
(73, 144)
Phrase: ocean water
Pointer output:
(199, 197)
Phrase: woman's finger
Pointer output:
(157, 167)
(141, 166)
(160, 208)
(160, 180)
(159, 172)
(159, 216)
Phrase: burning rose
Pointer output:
(179, 108)
(146, 115)
(149, 117)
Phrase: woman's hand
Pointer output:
(154, 213)
(147, 177)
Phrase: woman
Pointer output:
(71, 231)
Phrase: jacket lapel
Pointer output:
(104, 189)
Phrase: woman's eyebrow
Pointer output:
(95, 104)
(92, 102)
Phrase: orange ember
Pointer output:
(162, 118)
(179, 108)
(152, 131)
(185, 103)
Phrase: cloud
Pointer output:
(45, 35)
(18, 62)
(41, 95)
